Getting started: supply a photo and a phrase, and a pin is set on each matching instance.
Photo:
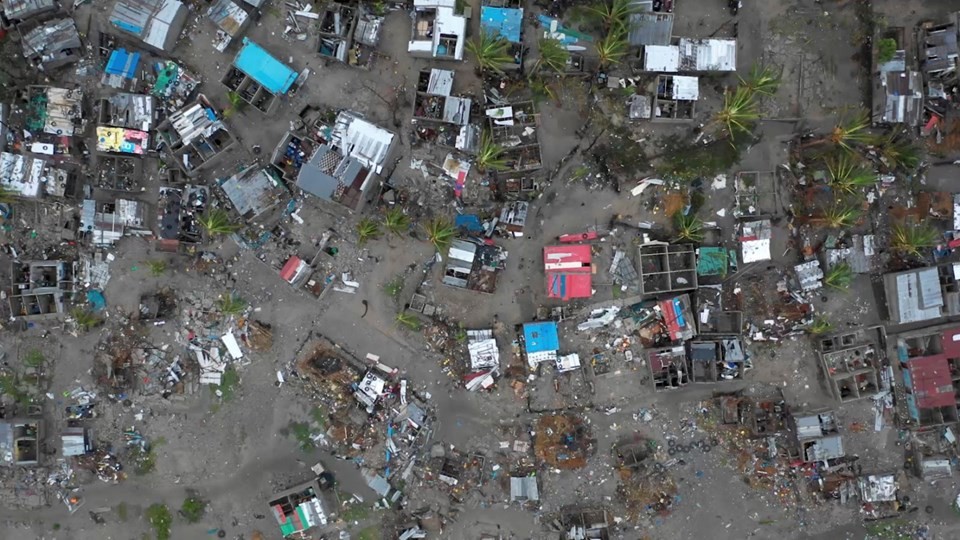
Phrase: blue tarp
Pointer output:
(541, 337)
(469, 222)
(505, 22)
(123, 63)
(96, 299)
(260, 66)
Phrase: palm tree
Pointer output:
(541, 89)
(7, 196)
(157, 267)
(689, 228)
(612, 48)
(396, 221)
(237, 104)
(899, 153)
(839, 216)
(847, 176)
(84, 318)
(613, 14)
(491, 52)
(216, 222)
(820, 325)
(738, 114)
(440, 232)
(912, 240)
(411, 322)
(839, 277)
(368, 229)
(852, 131)
(764, 80)
(553, 55)
(489, 154)
(231, 304)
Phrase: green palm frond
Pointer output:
(839, 277)
(491, 52)
(899, 153)
(157, 267)
(396, 221)
(612, 48)
(911, 239)
(231, 304)
(738, 114)
(819, 326)
(689, 228)
(853, 131)
(217, 222)
(847, 175)
(840, 216)
(613, 14)
(411, 322)
(367, 229)
(553, 55)
(440, 232)
(489, 154)
(84, 318)
(762, 79)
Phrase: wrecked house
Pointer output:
(692, 56)
(366, 39)
(569, 271)
(438, 30)
(859, 252)
(125, 110)
(155, 23)
(346, 168)
(441, 117)
(257, 77)
(676, 97)
(300, 508)
(852, 363)
(718, 360)
(19, 442)
(34, 178)
(939, 52)
(516, 128)
(929, 365)
(258, 196)
(899, 97)
(122, 141)
(712, 318)
(75, 441)
(337, 23)
(178, 212)
(195, 137)
(41, 288)
(541, 342)
(52, 44)
(818, 437)
(524, 490)
(105, 224)
(231, 21)
(14, 12)
(53, 115)
(513, 218)
(668, 367)
(473, 265)
(667, 268)
(757, 195)
(755, 241)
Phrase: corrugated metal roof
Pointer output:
(661, 58)
(275, 76)
(650, 29)
(54, 42)
(440, 82)
(123, 63)
(524, 489)
(24, 9)
(253, 191)
(930, 382)
(916, 295)
(228, 16)
(686, 88)
(155, 22)
(708, 54)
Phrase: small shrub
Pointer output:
(193, 509)
(886, 50)
(160, 519)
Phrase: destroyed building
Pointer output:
(195, 136)
(231, 21)
(258, 196)
(440, 116)
(650, 28)
(723, 359)
(818, 437)
(939, 51)
(505, 20)
(692, 55)
(53, 115)
(126, 110)
(516, 128)
(300, 508)
(852, 362)
(154, 23)
(41, 288)
(668, 367)
(667, 268)
(473, 265)
(337, 25)
(438, 30)
(105, 224)
(346, 168)
(19, 442)
(676, 97)
(257, 77)
(52, 44)
(34, 178)
(929, 367)
(178, 213)
(14, 12)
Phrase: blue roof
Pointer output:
(260, 66)
(506, 22)
(470, 222)
(541, 337)
(123, 63)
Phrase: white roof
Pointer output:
(686, 88)
(21, 174)
(709, 54)
(446, 22)
(159, 26)
(544, 356)
(756, 250)
(484, 354)
(569, 362)
(365, 142)
(665, 58)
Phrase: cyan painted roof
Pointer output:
(541, 337)
(123, 63)
(262, 67)
(505, 22)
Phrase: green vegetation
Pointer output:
(394, 287)
(847, 176)
(216, 222)
(319, 416)
(613, 15)
(231, 304)
(851, 132)
(143, 459)
(763, 80)
(491, 52)
(7, 196)
(820, 326)
(367, 229)
(84, 318)
(303, 433)
(355, 512)
(553, 56)
(34, 358)
(839, 216)
(839, 277)
(193, 509)
(686, 161)
(461, 334)
(229, 382)
(396, 221)
(411, 322)
(440, 232)
(160, 519)
(370, 533)
(612, 48)
(10, 386)
(689, 228)
(157, 267)
(897, 152)
(489, 154)
(122, 511)
(738, 114)
(886, 50)
(911, 239)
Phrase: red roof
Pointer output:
(290, 268)
(569, 271)
(930, 382)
